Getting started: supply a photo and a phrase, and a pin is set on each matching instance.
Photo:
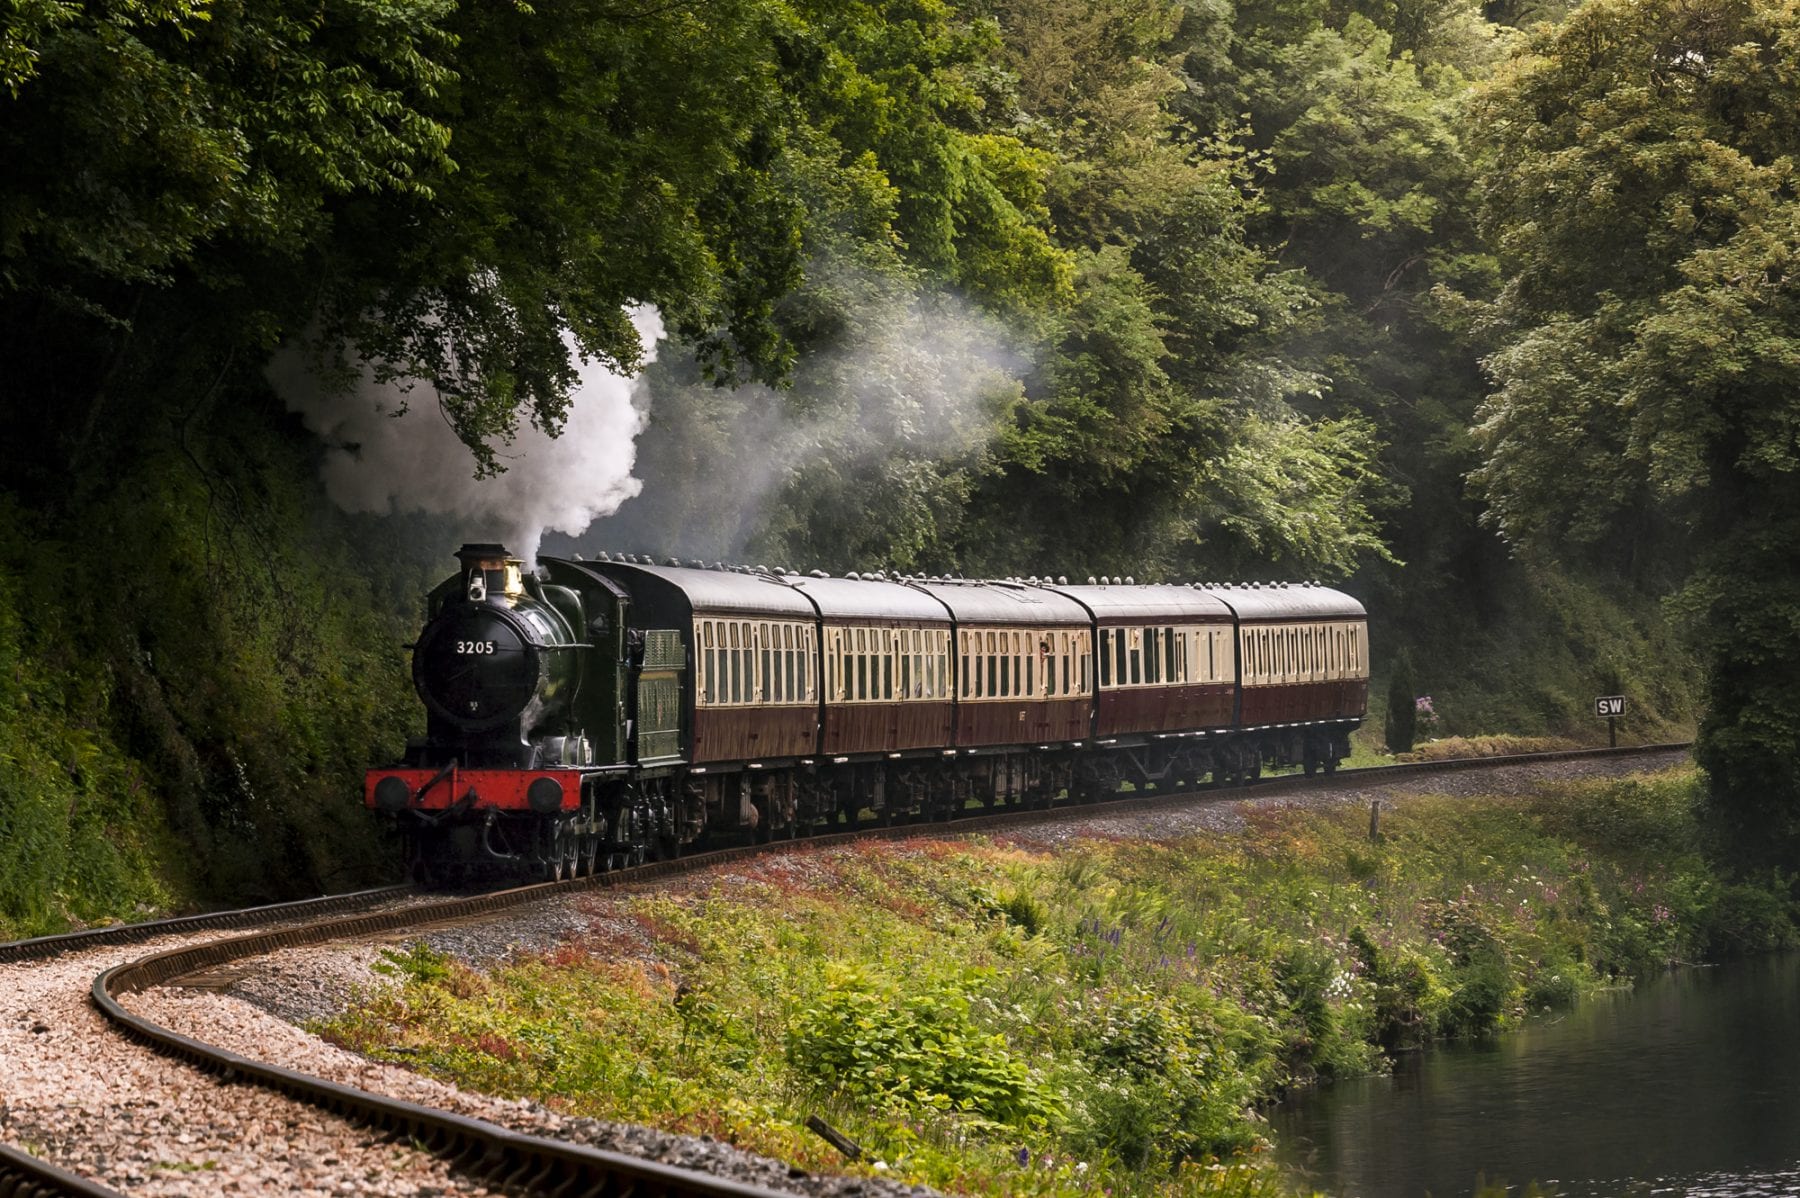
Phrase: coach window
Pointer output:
(765, 687)
(721, 680)
(722, 683)
(856, 667)
(790, 664)
(1152, 658)
(703, 687)
(1106, 674)
(747, 662)
(887, 664)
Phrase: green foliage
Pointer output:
(871, 1042)
(188, 701)
(1649, 330)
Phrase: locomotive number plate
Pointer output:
(467, 647)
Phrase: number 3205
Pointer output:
(475, 647)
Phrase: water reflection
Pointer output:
(1690, 1086)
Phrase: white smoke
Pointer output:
(914, 383)
(394, 452)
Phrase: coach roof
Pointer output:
(1288, 601)
(719, 591)
(1147, 604)
(985, 603)
(870, 599)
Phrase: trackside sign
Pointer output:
(1609, 706)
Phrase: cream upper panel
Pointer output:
(1309, 651)
(1012, 663)
(1175, 655)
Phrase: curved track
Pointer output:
(246, 917)
(498, 1156)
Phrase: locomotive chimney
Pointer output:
(488, 569)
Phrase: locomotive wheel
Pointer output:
(590, 851)
(570, 840)
(552, 837)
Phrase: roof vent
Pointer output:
(1129, 581)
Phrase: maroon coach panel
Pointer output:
(1165, 709)
(886, 727)
(754, 733)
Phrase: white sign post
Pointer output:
(1610, 708)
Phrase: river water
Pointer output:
(1688, 1086)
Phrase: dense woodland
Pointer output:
(1488, 313)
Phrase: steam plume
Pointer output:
(380, 460)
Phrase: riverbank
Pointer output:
(1088, 1016)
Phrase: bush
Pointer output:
(867, 1041)
(1164, 1085)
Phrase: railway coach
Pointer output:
(588, 714)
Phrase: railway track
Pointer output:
(503, 1159)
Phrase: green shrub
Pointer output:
(867, 1040)
(1164, 1084)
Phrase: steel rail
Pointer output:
(535, 1164)
(25, 1176)
(40, 947)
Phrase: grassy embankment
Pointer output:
(1106, 1018)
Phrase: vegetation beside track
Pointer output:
(989, 1017)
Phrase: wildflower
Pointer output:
(1024, 1155)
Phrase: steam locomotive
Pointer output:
(588, 715)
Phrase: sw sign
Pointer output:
(1609, 706)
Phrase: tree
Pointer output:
(1639, 167)
(1402, 706)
